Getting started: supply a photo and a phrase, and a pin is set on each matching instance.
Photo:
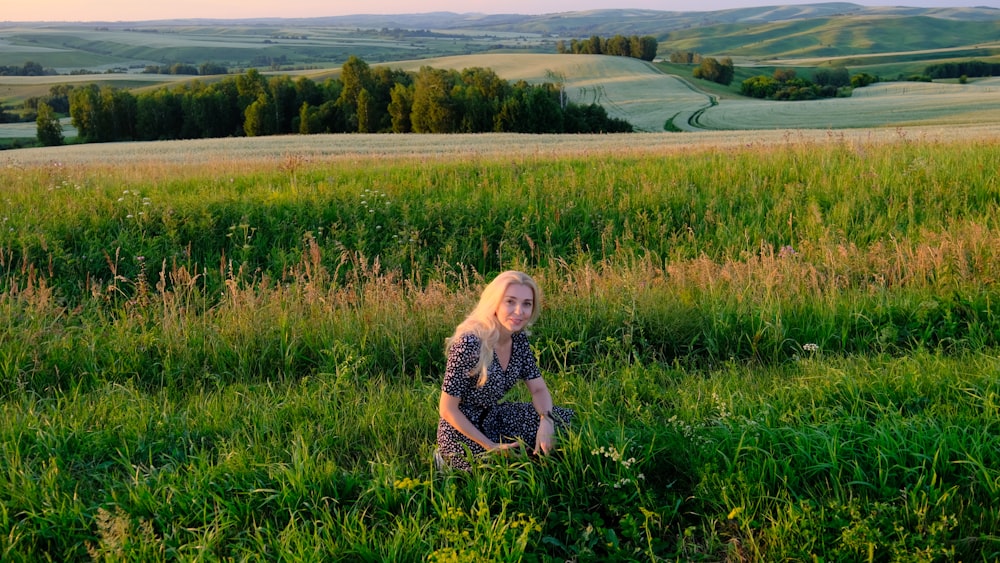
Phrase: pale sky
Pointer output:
(132, 10)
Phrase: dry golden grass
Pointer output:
(241, 154)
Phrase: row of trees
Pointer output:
(784, 84)
(620, 46)
(362, 99)
(964, 68)
(685, 57)
(204, 69)
(28, 69)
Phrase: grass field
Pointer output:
(782, 345)
(234, 154)
(883, 104)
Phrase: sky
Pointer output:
(131, 10)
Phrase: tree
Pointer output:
(383, 80)
(647, 48)
(618, 45)
(47, 124)
(544, 110)
(86, 113)
(836, 77)
(250, 86)
(210, 68)
(759, 86)
(309, 122)
(863, 79)
(784, 74)
(260, 117)
(595, 45)
(400, 108)
(433, 108)
(286, 103)
(356, 76)
(364, 111)
(160, 115)
(716, 71)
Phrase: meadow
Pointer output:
(779, 347)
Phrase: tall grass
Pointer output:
(776, 353)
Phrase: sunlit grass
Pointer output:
(777, 350)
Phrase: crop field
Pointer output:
(131, 46)
(883, 104)
(781, 346)
(242, 152)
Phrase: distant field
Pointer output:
(15, 89)
(236, 44)
(884, 104)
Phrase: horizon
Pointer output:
(123, 11)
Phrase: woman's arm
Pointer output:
(448, 408)
(542, 401)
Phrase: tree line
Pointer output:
(362, 99)
(204, 69)
(962, 68)
(29, 68)
(619, 45)
(785, 84)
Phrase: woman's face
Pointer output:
(515, 307)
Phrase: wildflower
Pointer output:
(810, 347)
(787, 251)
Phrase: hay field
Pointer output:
(240, 153)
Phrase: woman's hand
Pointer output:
(505, 447)
(544, 438)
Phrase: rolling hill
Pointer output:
(769, 32)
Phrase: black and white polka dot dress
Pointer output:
(500, 421)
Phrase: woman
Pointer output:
(487, 355)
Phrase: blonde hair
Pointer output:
(482, 321)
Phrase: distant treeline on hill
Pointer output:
(362, 99)
(959, 69)
(204, 69)
(29, 69)
(620, 46)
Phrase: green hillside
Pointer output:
(833, 37)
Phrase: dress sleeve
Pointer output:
(463, 354)
(529, 366)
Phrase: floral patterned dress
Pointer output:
(499, 421)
